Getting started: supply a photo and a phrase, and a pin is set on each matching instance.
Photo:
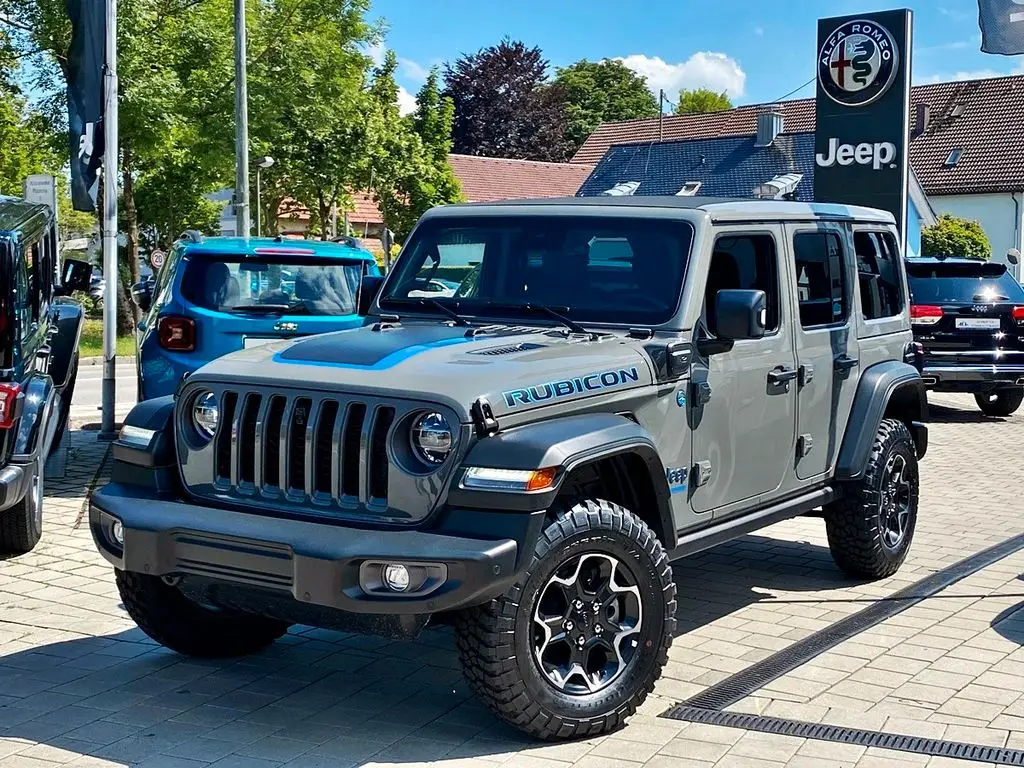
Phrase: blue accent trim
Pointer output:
(396, 357)
(677, 489)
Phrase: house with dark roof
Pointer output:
(966, 153)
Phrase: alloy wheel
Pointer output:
(894, 502)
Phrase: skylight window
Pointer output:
(689, 189)
(954, 157)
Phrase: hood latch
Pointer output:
(483, 417)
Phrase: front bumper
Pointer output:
(317, 564)
(15, 480)
(971, 377)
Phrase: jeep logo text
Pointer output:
(877, 155)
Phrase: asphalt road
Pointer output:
(85, 406)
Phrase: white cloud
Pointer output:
(704, 69)
(406, 101)
(413, 70)
(967, 74)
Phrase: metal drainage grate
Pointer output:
(751, 679)
(820, 732)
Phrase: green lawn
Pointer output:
(91, 343)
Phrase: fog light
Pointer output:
(117, 531)
(396, 577)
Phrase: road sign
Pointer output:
(40, 188)
(156, 259)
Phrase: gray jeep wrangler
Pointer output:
(613, 384)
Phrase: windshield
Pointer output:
(299, 286)
(931, 283)
(598, 269)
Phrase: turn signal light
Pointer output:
(8, 400)
(521, 480)
(1018, 315)
(925, 314)
(177, 334)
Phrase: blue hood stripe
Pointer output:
(390, 361)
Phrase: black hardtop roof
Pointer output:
(20, 215)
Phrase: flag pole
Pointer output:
(110, 276)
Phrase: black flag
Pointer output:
(85, 98)
(1002, 26)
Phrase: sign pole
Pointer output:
(110, 276)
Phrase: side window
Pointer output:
(34, 264)
(24, 310)
(747, 262)
(878, 274)
(820, 278)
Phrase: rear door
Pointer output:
(826, 342)
(967, 312)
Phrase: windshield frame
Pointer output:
(492, 310)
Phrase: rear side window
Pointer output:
(878, 274)
(820, 278)
(962, 283)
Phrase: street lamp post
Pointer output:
(263, 162)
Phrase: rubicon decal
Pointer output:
(880, 154)
(858, 63)
(578, 385)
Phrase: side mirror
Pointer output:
(76, 276)
(742, 314)
(1013, 256)
(369, 287)
(144, 298)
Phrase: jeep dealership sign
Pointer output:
(863, 111)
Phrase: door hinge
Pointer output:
(483, 417)
(701, 393)
(701, 473)
(806, 374)
(804, 444)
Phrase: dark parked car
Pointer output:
(38, 362)
(969, 317)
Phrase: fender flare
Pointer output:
(68, 319)
(568, 443)
(880, 385)
(36, 419)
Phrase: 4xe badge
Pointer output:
(858, 63)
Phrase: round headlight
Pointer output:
(431, 438)
(205, 413)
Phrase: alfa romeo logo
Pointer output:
(858, 63)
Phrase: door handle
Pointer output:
(844, 363)
(781, 375)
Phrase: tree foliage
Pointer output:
(602, 91)
(702, 100)
(954, 236)
(504, 106)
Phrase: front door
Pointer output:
(743, 399)
(827, 352)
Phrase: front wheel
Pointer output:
(21, 526)
(871, 526)
(576, 644)
(1000, 402)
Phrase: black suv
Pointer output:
(38, 362)
(969, 317)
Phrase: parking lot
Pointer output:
(944, 660)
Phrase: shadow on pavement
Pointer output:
(943, 414)
(1010, 623)
(337, 698)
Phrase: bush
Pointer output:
(953, 236)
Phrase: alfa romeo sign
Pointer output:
(863, 111)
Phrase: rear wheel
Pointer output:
(1000, 402)
(21, 526)
(575, 645)
(174, 621)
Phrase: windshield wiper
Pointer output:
(554, 314)
(435, 304)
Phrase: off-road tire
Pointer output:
(65, 405)
(21, 526)
(174, 621)
(1001, 402)
(495, 639)
(854, 523)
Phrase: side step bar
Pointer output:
(727, 530)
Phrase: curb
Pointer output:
(99, 360)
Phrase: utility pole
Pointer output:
(110, 277)
(241, 126)
(661, 114)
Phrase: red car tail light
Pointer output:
(177, 334)
(1018, 315)
(925, 314)
(8, 400)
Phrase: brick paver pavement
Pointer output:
(80, 685)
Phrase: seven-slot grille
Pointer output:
(324, 450)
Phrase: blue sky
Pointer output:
(755, 50)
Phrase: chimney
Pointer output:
(769, 127)
(921, 121)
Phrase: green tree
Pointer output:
(602, 91)
(702, 100)
(954, 236)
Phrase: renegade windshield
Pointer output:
(293, 285)
(589, 268)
